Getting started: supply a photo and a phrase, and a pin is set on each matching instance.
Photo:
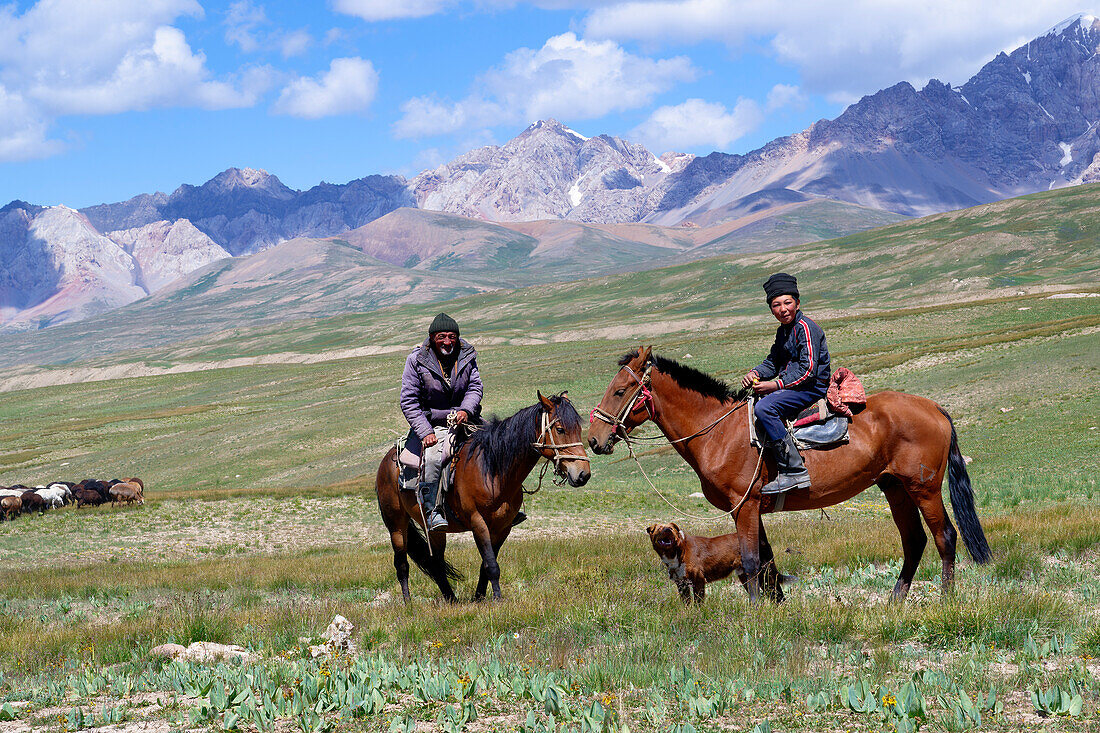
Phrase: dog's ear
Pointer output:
(650, 528)
(679, 532)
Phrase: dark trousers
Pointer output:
(783, 403)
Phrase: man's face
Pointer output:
(784, 308)
(445, 342)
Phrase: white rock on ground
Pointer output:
(205, 651)
(337, 639)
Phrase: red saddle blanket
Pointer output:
(845, 397)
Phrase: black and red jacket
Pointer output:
(799, 358)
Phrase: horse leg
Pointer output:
(930, 503)
(769, 572)
(913, 539)
(490, 570)
(399, 540)
(748, 534)
(483, 580)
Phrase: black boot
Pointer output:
(432, 514)
(520, 518)
(792, 472)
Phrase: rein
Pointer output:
(732, 513)
(644, 397)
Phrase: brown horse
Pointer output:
(903, 443)
(488, 490)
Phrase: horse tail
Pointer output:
(962, 500)
(435, 566)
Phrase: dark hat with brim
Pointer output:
(780, 284)
(443, 322)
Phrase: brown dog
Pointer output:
(693, 561)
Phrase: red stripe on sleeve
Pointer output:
(810, 347)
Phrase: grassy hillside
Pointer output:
(453, 255)
(1032, 244)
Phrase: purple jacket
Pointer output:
(426, 400)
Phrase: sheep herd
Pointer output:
(21, 499)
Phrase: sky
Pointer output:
(101, 100)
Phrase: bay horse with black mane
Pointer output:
(489, 469)
(903, 443)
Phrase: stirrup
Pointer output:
(775, 487)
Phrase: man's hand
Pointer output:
(765, 387)
(429, 440)
(461, 417)
(749, 379)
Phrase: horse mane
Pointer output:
(688, 377)
(498, 441)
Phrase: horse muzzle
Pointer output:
(606, 448)
(578, 473)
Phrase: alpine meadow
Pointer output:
(459, 441)
(259, 446)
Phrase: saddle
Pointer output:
(825, 422)
(818, 427)
(408, 462)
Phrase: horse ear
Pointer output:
(646, 354)
(564, 395)
(546, 403)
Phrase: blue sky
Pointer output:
(101, 100)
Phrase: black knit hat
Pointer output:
(443, 322)
(780, 284)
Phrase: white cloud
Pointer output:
(295, 43)
(166, 74)
(23, 133)
(67, 57)
(698, 124)
(844, 49)
(568, 77)
(427, 116)
(372, 10)
(245, 26)
(348, 86)
(784, 96)
(242, 23)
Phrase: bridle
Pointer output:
(546, 440)
(644, 397)
(641, 398)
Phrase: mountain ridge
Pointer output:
(1028, 120)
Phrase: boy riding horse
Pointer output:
(794, 376)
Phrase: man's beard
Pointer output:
(446, 350)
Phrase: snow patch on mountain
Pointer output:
(1081, 20)
(1067, 154)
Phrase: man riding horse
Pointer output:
(440, 383)
(793, 376)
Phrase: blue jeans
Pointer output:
(771, 409)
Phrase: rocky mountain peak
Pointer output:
(1082, 23)
(19, 204)
(232, 179)
(552, 127)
